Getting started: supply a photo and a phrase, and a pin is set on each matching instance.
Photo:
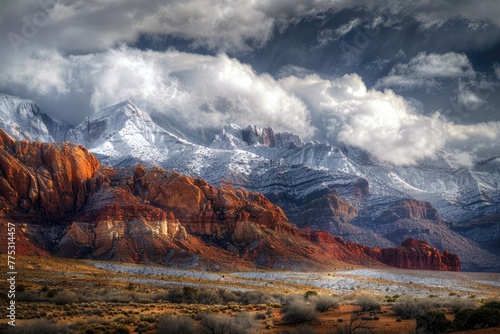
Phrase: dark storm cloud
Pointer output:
(308, 66)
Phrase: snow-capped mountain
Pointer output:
(340, 189)
(22, 119)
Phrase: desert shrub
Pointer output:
(492, 304)
(228, 296)
(119, 329)
(434, 322)
(28, 296)
(106, 295)
(175, 295)
(64, 297)
(260, 316)
(190, 295)
(256, 297)
(52, 293)
(482, 317)
(148, 318)
(310, 293)
(389, 299)
(208, 297)
(224, 324)
(323, 303)
(367, 303)
(40, 326)
(297, 311)
(176, 325)
(190, 292)
(94, 319)
(161, 295)
(461, 318)
(408, 307)
(458, 304)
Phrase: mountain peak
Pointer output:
(22, 119)
(233, 136)
(126, 108)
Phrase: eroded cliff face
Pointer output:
(53, 178)
(71, 206)
(411, 254)
(415, 254)
(327, 213)
(411, 209)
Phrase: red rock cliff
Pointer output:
(55, 178)
(415, 254)
(154, 215)
(412, 254)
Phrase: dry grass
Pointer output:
(74, 297)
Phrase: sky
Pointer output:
(404, 80)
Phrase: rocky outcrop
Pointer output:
(412, 254)
(328, 213)
(410, 209)
(267, 137)
(74, 207)
(203, 209)
(415, 254)
(24, 246)
(54, 178)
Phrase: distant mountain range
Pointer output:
(341, 190)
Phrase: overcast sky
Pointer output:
(403, 80)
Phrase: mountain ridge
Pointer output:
(159, 216)
(294, 174)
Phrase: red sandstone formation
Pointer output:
(55, 178)
(415, 254)
(159, 216)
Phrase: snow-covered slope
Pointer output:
(123, 135)
(290, 172)
(22, 119)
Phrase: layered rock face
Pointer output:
(158, 216)
(411, 209)
(415, 254)
(55, 178)
(327, 213)
(267, 137)
(412, 254)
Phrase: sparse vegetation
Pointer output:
(64, 297)
(323, 303)
(486, 316)
(367, 303)
(104, 306)
(434, 322)
(224, 324)
(457, 304)
(298, 311)
(356, 325)
(176, 325)
(41, 326)
(408, 307)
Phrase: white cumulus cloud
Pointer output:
(210, 91)
(425, 70)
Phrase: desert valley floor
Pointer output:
(83, 296)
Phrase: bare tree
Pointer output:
(356, 325)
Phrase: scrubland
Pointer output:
(57, 295)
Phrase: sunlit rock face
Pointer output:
(72, 206)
